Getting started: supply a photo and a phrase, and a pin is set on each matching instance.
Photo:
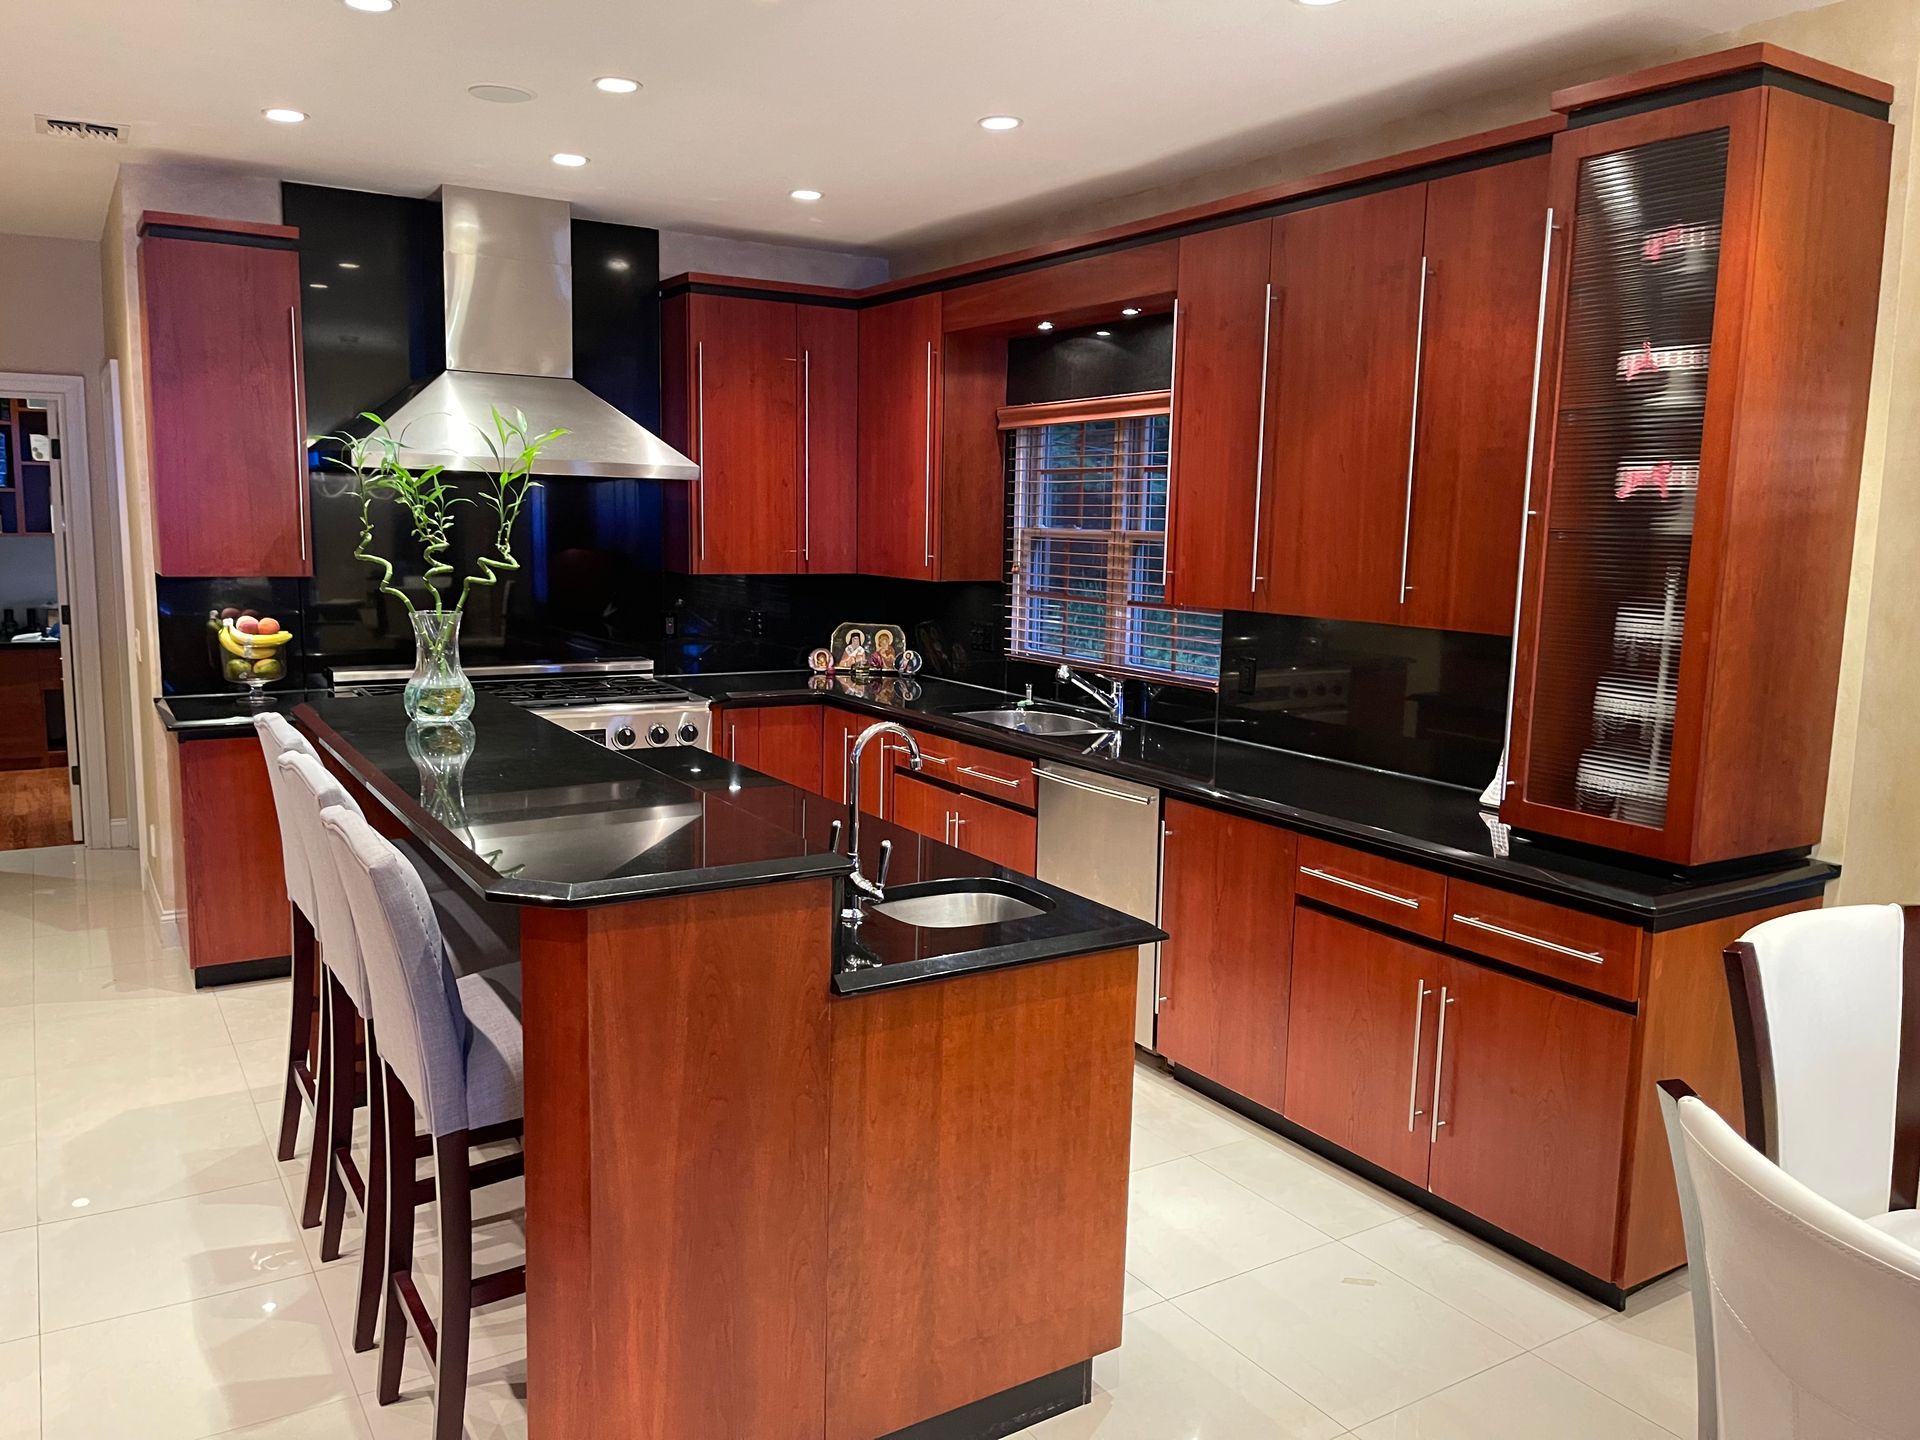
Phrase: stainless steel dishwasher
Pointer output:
(1100, 837)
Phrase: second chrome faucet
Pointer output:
(874, 889)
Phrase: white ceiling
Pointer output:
(873, 102)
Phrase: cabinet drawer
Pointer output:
(1585, 950)
(1390, 891)
(1005, 778)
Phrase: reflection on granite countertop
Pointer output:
(210, 717)
(530, 813)
(1424, 821)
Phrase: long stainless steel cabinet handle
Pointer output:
(1439, 1061)
(806, 455)
(987, 775)
(299, 430)
(1526, 493)
(1420, 993)
(1173, 414)
(1343, 882)
(1413, 429)
(1159, 917)
(926, 479)
(1592, 957)
(1260, 441)
(700, 385)
(1059, 779)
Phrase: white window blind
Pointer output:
(1088, 549)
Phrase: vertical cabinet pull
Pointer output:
(1439, 1061)
(1413, 428)
(806, 455)
(299, 431)
(1160, 915)
(1173, 431)
(1420, 993)
(1526, 494)
(1260, 441)
(733, 741)
(926, 477)
(700, 433)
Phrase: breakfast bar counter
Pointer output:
(787, 1177)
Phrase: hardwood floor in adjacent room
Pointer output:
(34, 809)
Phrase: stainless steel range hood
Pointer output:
(509, 279)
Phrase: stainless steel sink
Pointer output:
(951, 904)
(1037, 722)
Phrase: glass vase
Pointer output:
(438, 692)
(440, 753)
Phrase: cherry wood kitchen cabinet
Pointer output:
(1222, 324)
(829, 338)
(998, 833)
(1226, 903)
(226, 421)
(838, 730)
(1710, 344)
(236, 890)
(780, 740)
(899, 437)
(1529, 1110)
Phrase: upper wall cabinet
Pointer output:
(761, 394)
(220, 302)
(931, 480)
(1352, 392)
(1714, 291)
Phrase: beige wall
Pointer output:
(51, 324)
(1873, 797)
(184, 190)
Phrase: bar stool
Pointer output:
(277, 737)
(450, 1052)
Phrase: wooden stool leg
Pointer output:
(321, 1151)
(343, 1060)
(373, 1242)
(454, 1207)
(393, 1333)
(306, 963)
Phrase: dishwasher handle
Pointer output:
(1040, 772)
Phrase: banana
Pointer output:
(249, 647)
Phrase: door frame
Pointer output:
(80, 672)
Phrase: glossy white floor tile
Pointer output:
(1188, 1226)
(1270, 1295)
(123, 1261)
(1172, 1377)
(1353, 1338)
(1523, 1399)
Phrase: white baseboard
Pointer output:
(172, 924)
(120, 833)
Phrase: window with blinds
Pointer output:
(1087, 543)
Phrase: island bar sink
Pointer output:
(1037, 722)
(950, 904)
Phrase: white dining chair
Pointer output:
(1807, 1317)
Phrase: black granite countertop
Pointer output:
(217, 716)
(1439, 826)
(529, 813)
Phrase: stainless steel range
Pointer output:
(615, 702)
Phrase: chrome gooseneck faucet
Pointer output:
(876, 888)
(1113, 701)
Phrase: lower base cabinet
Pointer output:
(998, 833)
(781, 740)
(1226, 903)
(237, 907)
(1503, 1097)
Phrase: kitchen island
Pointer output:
(786, 1176)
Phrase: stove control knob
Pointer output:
(624, 737)
(689, 733)
(657, 735)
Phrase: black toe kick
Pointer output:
(239, 972)
(1010, 1411)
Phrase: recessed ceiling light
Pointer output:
(807, 196)
(82, 1203)
(316, 285)
(1000, 122)
(1131, 311)
(500, 94)
(282, 116)
(372, 7)
(1046, 325)
(349, 264)
(1104, 334)
(616, 84)
(1316, 3)
(570, 160)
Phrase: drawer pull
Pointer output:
(1342, 881)
(988, 775)
(1593, 957)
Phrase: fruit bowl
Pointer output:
(250, 647)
